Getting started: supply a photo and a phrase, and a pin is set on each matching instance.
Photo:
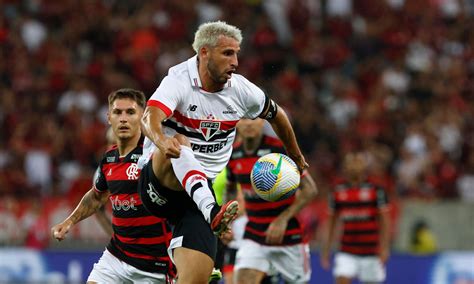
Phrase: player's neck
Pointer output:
(125, 146)
(356, 179)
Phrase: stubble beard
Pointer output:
(214, 74)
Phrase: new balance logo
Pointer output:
(192, 107)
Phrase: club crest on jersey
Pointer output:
(209, 128)
(132, 172)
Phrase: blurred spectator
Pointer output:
(79, 96)
(33, 33)
(396, 76)
(465, 183)
(422, 239)
(35, 225)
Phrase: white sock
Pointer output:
(191, 175)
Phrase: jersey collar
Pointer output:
(193, 72)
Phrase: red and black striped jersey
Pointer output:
(139, 238)
(359, 205)
(260, 212)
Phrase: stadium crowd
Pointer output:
(394, 77)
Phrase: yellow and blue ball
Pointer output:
(275, 177)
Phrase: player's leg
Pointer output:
(193, 247)
(228, 266)
(108, 269)
(343, 280)
(251, 264)
(186, 172)
(193, 266)
(219, 260)
(345, 268)
(371, 270)
(249, 276)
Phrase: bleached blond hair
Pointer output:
(208, 34)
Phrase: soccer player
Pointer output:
(273, 240)
(190, 125)
(137, 251)
(363, 208)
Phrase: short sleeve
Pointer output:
(166, 96)
(100, 183)
(255, 99)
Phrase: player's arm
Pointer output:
(152, 128)
(90, 202)
(384, 221)
(327, 242)
(308, 191)
(104, 220)
(331, 232)
(280, 123)
(384, 218)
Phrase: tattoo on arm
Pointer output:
(90, 202)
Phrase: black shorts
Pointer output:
(190, 229)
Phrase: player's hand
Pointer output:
(171, 147)
(227, 237)
(384, 254)
(324, 259)
(276, 231)
(60, 230)
(300, 162)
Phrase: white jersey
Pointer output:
(207, 119)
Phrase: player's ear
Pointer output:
(108, 117)
(203, 52)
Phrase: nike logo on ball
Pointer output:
(276, 170)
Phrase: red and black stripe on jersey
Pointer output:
(260, 212)
(359, 206)
(139, 238)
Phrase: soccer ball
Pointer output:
(275, 177)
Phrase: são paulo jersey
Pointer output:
(207, 119)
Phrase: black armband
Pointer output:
(269, 110)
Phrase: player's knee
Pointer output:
(183, 140)
(245, 276)
(161, 164)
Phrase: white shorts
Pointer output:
(292, 262)
(110, 269)
(364, 268)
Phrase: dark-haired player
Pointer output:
(273, 240)
(363, 208)
(137, 251)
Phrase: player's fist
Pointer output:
(300, 162)
(60, 230)
(171, 147)
(227, 237)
